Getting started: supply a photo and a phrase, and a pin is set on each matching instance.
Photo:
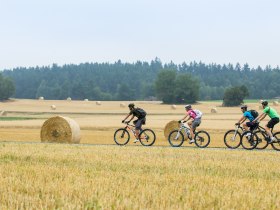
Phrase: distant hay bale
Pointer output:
(60, 130)
(41, 98)
(170, 126)
(86, 99)
(3, 113)
(53, 107)
(173, 107)
(275, 103)
(214, 110)
(98, 102)
(122, 105)
(69, 99)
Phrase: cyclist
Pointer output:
(273, 121)
(247, 115)
(195, 120)
(140, 114)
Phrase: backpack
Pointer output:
(198, 113)
(254, 113)
(141, 113)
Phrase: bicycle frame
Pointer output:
(131, 128)
(186, 129)
(237, 128)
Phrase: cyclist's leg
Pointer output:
(270, 126)
(246, 126)
(138, 127)
(195, 123)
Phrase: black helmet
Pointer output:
(264, 103)
(131, 105)
(243, 106)
(188, 106)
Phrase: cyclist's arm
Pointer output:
(242, 119)
(260, 117)
(127, 117)
(186, 117)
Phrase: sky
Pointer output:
(43, 32)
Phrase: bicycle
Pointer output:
(176, 137)
(260, 138)
(232, 138)
(147, 137)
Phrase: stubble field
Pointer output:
(98, 176)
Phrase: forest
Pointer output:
(137, 81)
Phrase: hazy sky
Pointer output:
(42, 32)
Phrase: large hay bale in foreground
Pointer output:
(98, 102)
(170, 126)
(173, 107)
(60, 130)
(275, 103)
(214, 110)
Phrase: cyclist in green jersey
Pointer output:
(273, 121)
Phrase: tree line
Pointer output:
(142, 81)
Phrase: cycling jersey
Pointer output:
(271, 112)
(248, 115)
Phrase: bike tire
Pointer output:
(121, 133)
(147, 137)
(172, 138)
(249, 143)
(276, 145)
(262, 143)
(202, 139)
(228, 139)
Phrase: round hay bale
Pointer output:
(214, 110)
(86, 99)
(53, 107)
(3, 113)
(275, 103)
(69, 99)
(122, 105)
(98, 102)
(170, 126)
(60, 130)
(41, 98)
(173, 107)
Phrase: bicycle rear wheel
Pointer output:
(232, 139)
(121, 136)
(249, 140)
(176, 138)
(276, 145)
(147, 137)
(262, 143)
(202, 139)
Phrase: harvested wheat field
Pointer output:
(56, 176)
(99, 122)
(97, 174)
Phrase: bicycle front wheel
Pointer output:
(249, 140)
(202, 139)
(276, 145)
(232, 139)
(121, 136)
(147, 137)
(176, 138)
(262, 143)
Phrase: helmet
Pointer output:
(131, 105)
(264, 103)
(243, 106)
(188, 106)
